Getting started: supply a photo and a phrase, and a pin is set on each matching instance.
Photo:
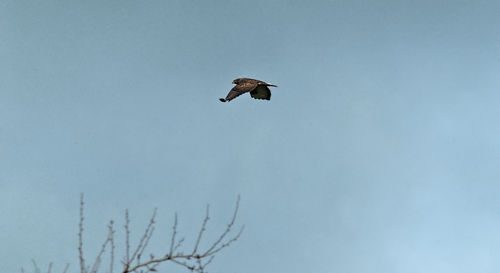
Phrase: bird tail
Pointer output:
(223, 100)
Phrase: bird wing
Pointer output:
(240, 89)
(261, 92)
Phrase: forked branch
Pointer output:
(194, 261)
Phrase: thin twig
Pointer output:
(179, 258)
(195, 261)
(166, 258)
(229, 226)
(200, 265)
(203, 227)
(35, 266)
(146, 242)
(190, 267)
(112, 241)
(66, 268)
(80, 237)
(174, 232)
(50, 267)
(153, 267)
(98, 259)
(226, 244)
(145, 238)
(127, 240)
(209, 261)
(179, 244)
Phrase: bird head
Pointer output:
(237, 81)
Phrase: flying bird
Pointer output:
(258, 89)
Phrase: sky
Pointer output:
(378, 152)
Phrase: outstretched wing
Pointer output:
(239, 89)
(261, 92)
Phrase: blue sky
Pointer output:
(379, 151)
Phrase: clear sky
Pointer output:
(378, 152)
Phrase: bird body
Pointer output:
(258, 89)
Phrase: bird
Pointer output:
(258, 89)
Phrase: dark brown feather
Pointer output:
(261, 92)
(240, 89)
(258, 89)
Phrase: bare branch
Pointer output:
(209, 261)
(35, 266)
(111, 233)
(174, 232)
(200, 266)
(190, 267)
(98, 259)
(145, 238)
(80, 237)
(179, 244)
(226, 244)
(66, 268)
(228, 229)
(194, 260)
(166, 258)
(146, 242)
(203, 227)
(127, 239)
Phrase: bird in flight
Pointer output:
(258, 89)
